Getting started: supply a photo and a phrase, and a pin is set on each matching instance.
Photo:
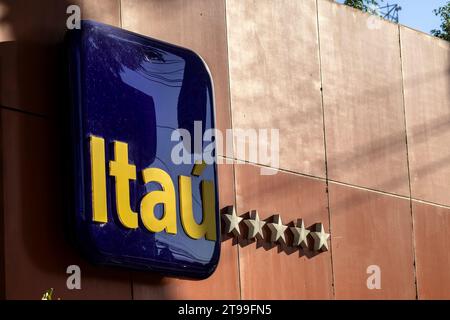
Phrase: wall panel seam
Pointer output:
(230, 114)
(319, 56)
(120, 13)
(304, 175)
(25, 112)
(407, 163)
(2, 225)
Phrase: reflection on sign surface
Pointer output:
(132, 206)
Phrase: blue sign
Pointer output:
(132, 205)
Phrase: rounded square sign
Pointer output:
(137, 103)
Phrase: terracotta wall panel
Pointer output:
(370, 228)
(431, 231)
(268, 273)
(195, 24)
(36, 243)
(363, 104)
(223, 284)
(275, 78)
(426, 70)
(31, 52)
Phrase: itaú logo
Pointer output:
(132, 205)
(124, 172)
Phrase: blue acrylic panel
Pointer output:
(134, 89)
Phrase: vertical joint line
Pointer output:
(230, 114)
(132, 286)
(120, 13)
(407, 163)
(325, 149)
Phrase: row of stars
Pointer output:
(277, 230)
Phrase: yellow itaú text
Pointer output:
(123, 172)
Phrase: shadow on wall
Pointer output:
(33, 101)
(437, 127)
(264, 243)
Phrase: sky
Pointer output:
(418, 14)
